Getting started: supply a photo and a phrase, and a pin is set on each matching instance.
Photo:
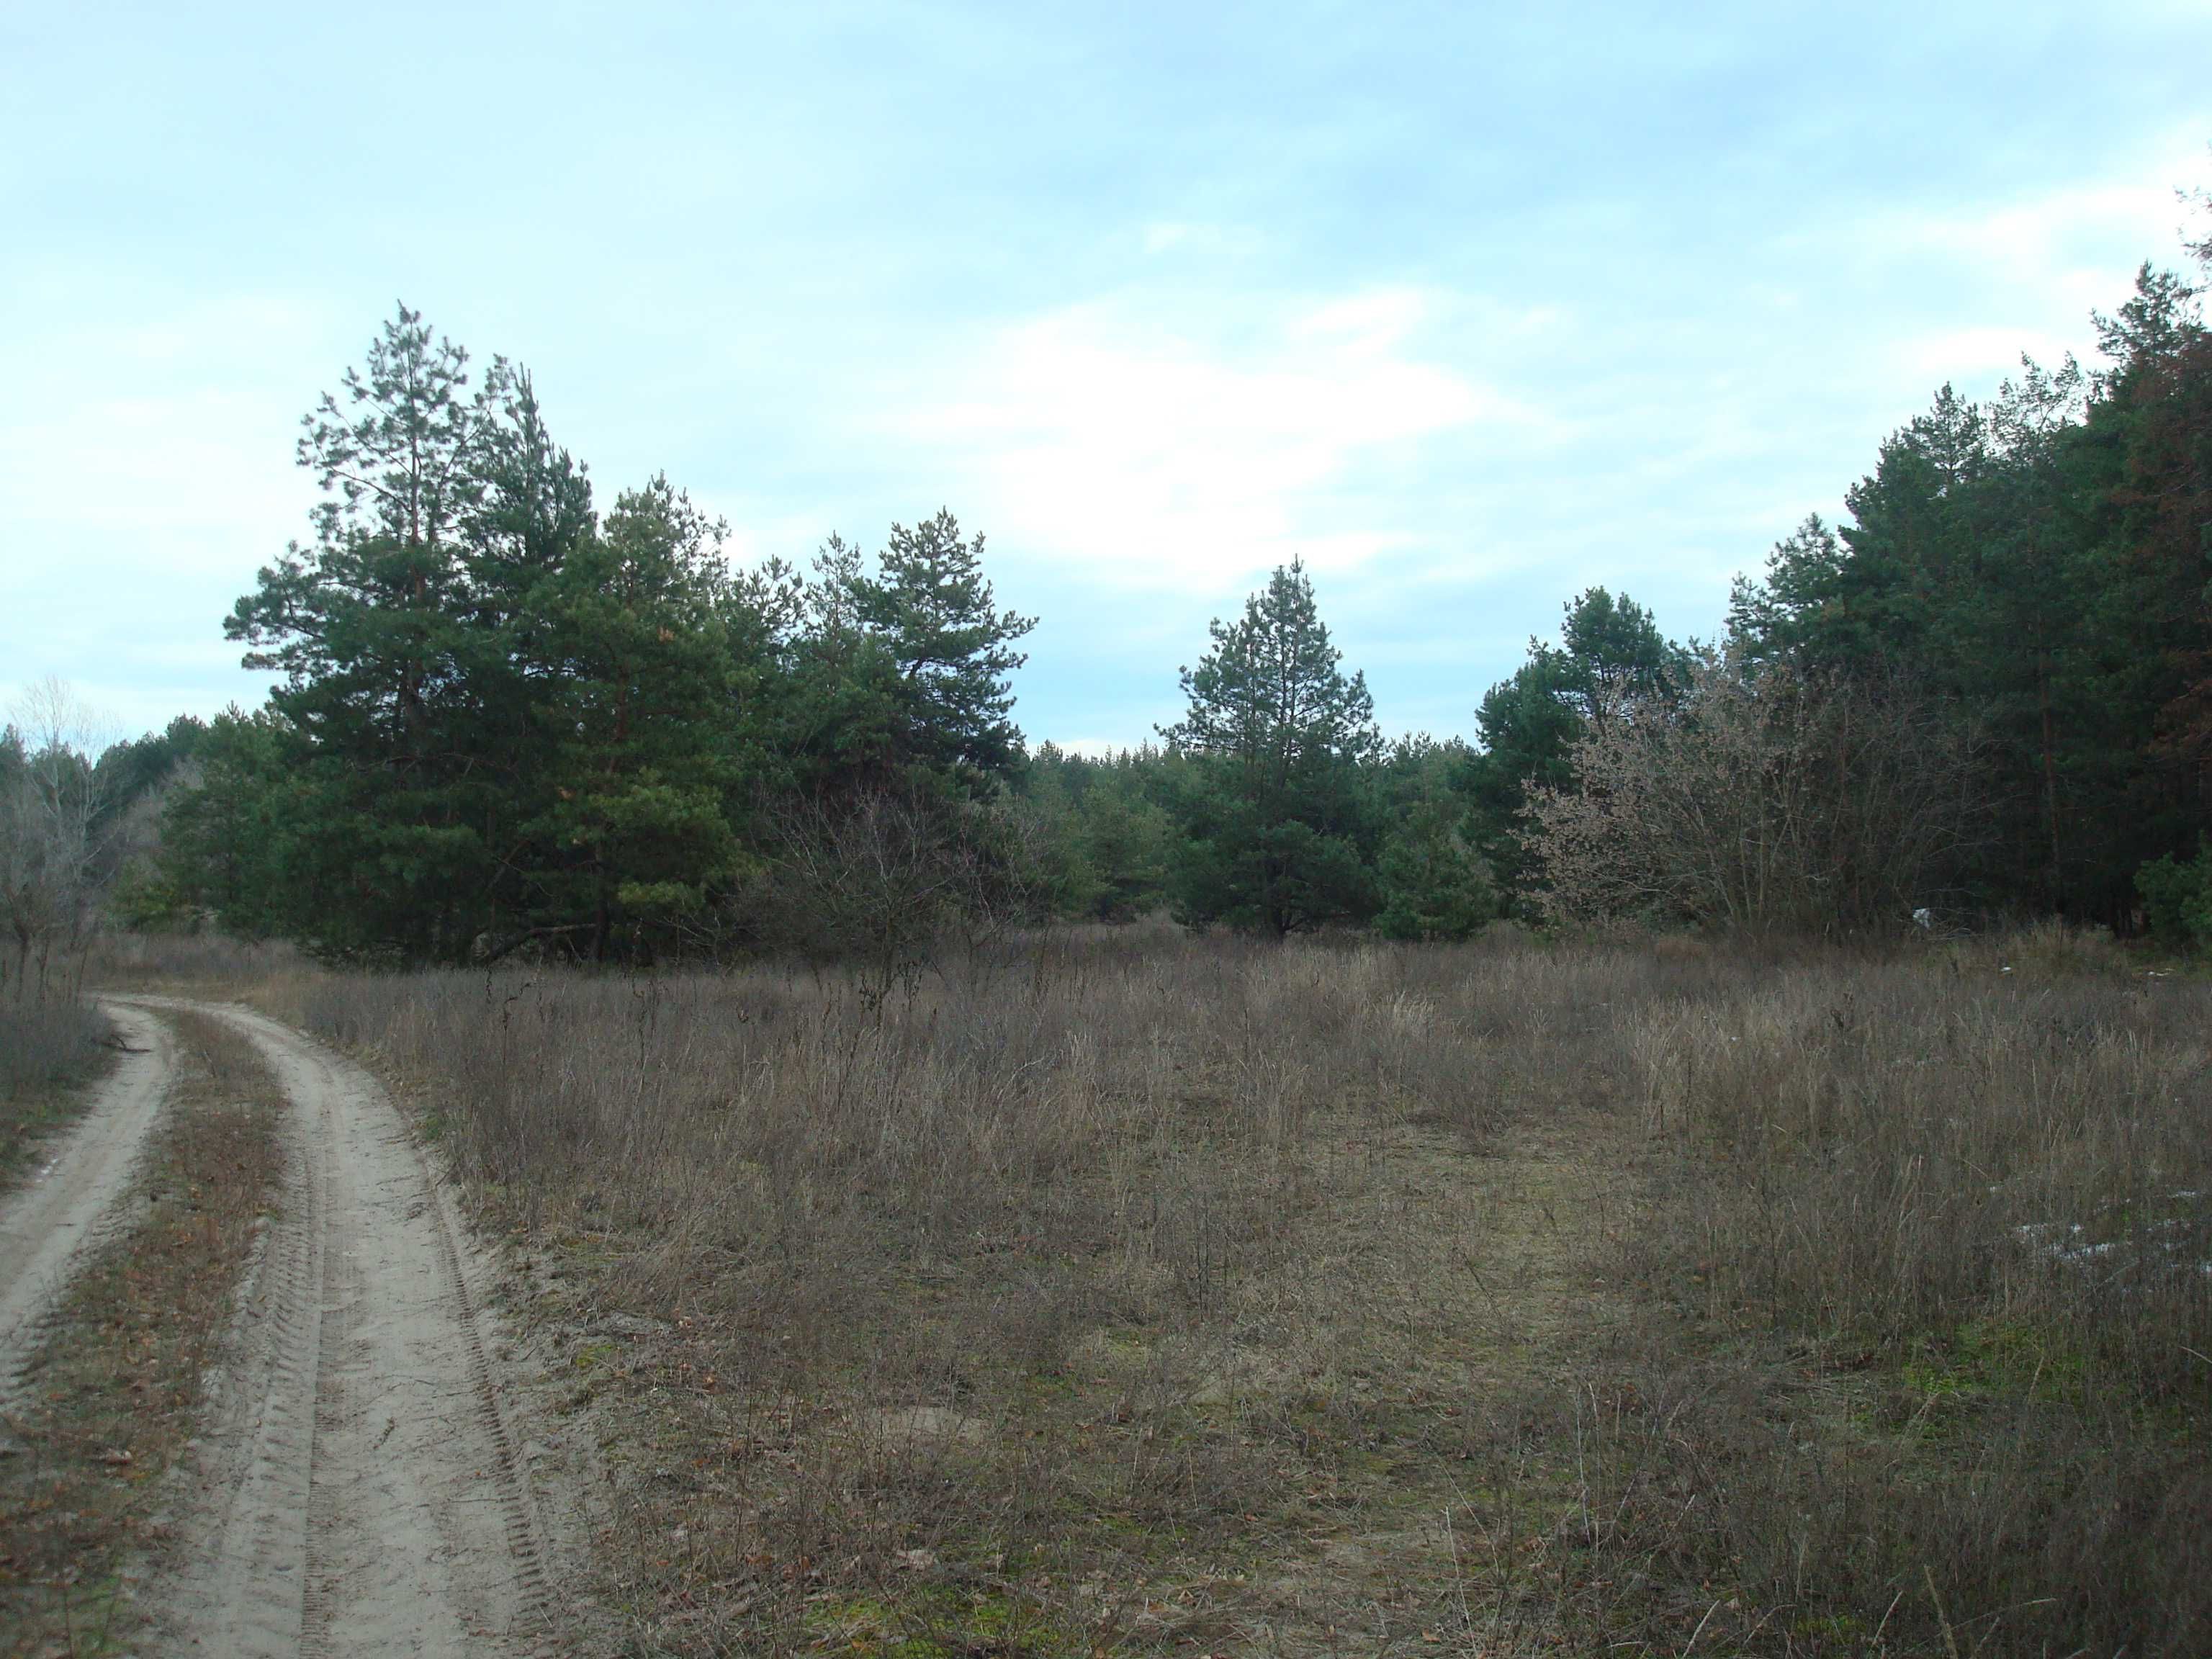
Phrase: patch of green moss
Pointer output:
(1996, 1360)
(936, 1621)
(591, 1356)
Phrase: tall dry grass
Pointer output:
(1124, 1095)
(52, 1047)
(1948, 1232)
(192, 963)
(1117, 1256)
(1067, 1303)
(47, 1045)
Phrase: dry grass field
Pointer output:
(1128, 1294)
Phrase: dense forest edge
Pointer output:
(1645, 1276)
(511, 721)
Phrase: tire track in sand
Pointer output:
(46, 1227)
(361, 1491)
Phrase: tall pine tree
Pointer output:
(1280, 825)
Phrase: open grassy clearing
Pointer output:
(1130, 1293)
(109, 1401)
(1077, 1302)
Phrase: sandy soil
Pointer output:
(47, 1224)
(358, 1489)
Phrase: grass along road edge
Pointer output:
(47, 1226)
(111, 1391)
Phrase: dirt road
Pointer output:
(358, 1490)
(45, 1227)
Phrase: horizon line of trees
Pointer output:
(511, 722)
(1987, 694)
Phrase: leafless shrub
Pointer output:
(1763, 802)
(57, 846)
(882, 880)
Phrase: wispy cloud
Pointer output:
(2049, 249)
(1468, 310)
(183, 421)
(1151, 453)
(1973, 356)
(2059, 230)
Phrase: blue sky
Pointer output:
(1468, 307)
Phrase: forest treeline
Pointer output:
(512, 718)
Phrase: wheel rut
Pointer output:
(48, 1227)
(360, 1491)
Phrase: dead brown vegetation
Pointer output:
(51, 1052)
(1765, 801)
(1124, 1292)
(108, 1402)
(1939, 1261)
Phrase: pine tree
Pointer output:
(369, 628)
(1611, 657)
(632, 831)
(1278, 822)
(935, 613)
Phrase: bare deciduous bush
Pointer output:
(884, 880)
(57, 846)
(1772, 802)
(54, 853)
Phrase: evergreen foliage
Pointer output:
(1611, 658)
(1275, 806)
(506, 722)
(2176, 897)
(2041, 564)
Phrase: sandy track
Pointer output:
(45, 1228)
(358, 1489)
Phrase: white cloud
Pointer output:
(1154, 455)
(153, 464)
(1972, 357)
(179, 420)
(2056, 229)
(2061, 244)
